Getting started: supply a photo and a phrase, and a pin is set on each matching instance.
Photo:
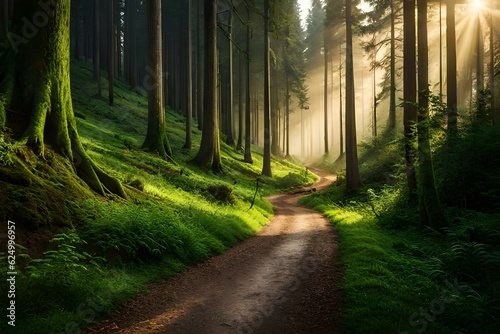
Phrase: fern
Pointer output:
(64, 264)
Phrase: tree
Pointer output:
(111, 52)
(189, 88)
(383, 15)
(314, 39)
(336, 38)
(410, 95)
(392, 102)
(130, 43)
(239, 144)
(156, 137)
(209, 153)
(325, 93)
(230, 107)
(430, 208)
(96, 57)
(35, 84)
(266, 168)
(352, 166)
(248, 123)
(451, 67)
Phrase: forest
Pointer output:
(250, 166)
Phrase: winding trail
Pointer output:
(285, 279)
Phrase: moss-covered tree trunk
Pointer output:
(35, 94)
(156, 136)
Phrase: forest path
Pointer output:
(285, 279)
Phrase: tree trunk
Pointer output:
(410, 95)
(4, 22)
(130, 54)
(441, 50)
(239, 145)
(97, 55)
(229, 116)
(111, 53)
(274, 110)
(352, 166)
(430, 209)
(118, 51)
(374, 115)
(189, 88)
(156, 137)
(35, 89)
(325, 93)
(494, 111)
(480, 70)
(451, 67)
(200, 72)
(266, 168)
(248, 111)
(209, 153)
(392, 102)
(341, 111)
(287, 117)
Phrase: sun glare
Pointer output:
(477, 5)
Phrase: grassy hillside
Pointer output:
(400, 277)
(96, 252)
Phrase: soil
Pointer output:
(285, 279)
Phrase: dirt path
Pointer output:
(284, 280)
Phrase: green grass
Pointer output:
(401, 278)
(173, 217)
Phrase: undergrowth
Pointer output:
(81, 255)
(400, 277)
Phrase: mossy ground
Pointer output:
(174, 215)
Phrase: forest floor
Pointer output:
(285, 279)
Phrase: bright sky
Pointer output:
(305, 4)
(304, 10)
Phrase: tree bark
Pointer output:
(239, 145)
(410, 95)
(201, 66)
(96, 57)
(156, 137)
(35, 88)
(189, 88)
(341, 111)
(493, 103)
(4, 22)
(287, 117)
(230, 107)
(111, 53)
(266, 168)
(392, 101)
(451, 67)
(352, 166)
(248, 111)
(325, 93)
(209, 153)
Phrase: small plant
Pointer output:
(65, 264)
(475, 261)
(5, 152)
